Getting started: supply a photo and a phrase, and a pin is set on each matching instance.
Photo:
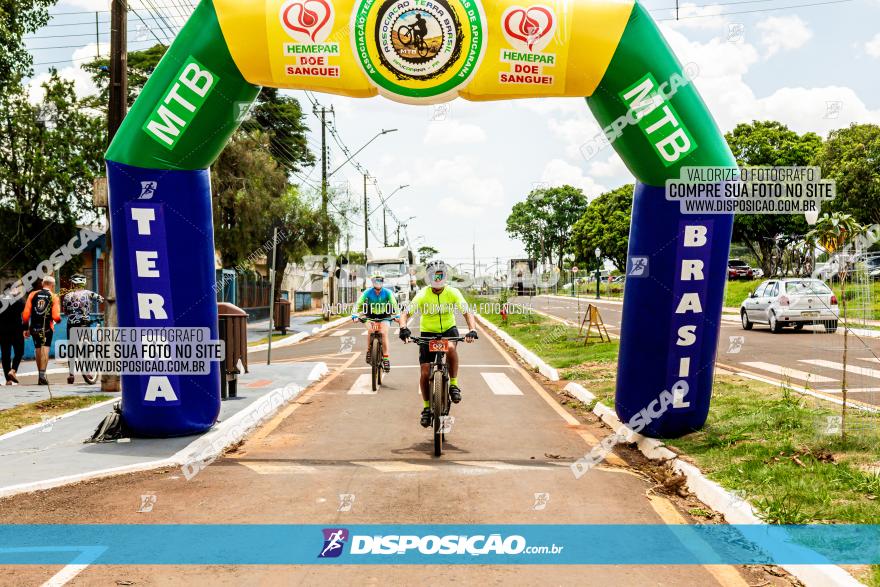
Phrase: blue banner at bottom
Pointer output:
(439, 544)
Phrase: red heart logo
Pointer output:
(308, 17)
(533, 23)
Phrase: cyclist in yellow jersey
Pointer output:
(437, 304)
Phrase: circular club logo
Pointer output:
(307, 21)
(528, 29)
(419, 51)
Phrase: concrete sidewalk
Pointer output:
(52, 453)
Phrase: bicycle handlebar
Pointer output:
(427, 339)
(368, 319)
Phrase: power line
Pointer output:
(757, 10)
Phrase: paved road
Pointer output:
(809, 358)
(341, 443)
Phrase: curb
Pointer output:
(528, 356)
(299, 336)
(201, 452)
(735, 509)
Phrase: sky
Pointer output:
(814, 68)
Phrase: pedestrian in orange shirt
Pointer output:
(41, 312)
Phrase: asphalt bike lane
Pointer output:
(340, 454)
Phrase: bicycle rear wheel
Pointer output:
(374, 362)
(438, 408)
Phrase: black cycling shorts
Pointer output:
(42, 337)
(425, 356)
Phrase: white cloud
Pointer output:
(453, 132)
(872, 47)
(558, 172)
(783, 33)
(470, 192)
(82, 81)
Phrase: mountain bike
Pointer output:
(408, 37)
(96, 321)
(376, 349)
(438, 385)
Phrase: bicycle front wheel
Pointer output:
(404, 35)
(438, 408)
(375, 362)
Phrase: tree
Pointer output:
(770, 143)
(426, 253)
(141, 65)
(605, 225)
(17, 19)
(834, 233)
(50, 154)
(543, 222)
(282, 118)
(851, 157)
(247, 182)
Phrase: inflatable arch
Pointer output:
(417, 52)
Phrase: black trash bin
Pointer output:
(233, 331)
(282, 315)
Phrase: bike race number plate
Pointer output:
(438, 346)
(426, 51)
(374, 326)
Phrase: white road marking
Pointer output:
(278, 468)
(396, 366)
(497, 465)
(363, 385)
(871, 359)
(340, 332)
(393, 466)
(501, 384)
(854, 369)
(788, 372)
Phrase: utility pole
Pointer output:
(116, 110)
(271, 295)
(97, 36)
(384, 228)
(366, 221)
(324, 218)
(327, 287)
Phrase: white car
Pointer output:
(790, 302)
(757, 273)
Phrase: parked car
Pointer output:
(790, 302)
(757, 273)
(737, 269)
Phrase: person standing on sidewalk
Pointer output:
(77, 305)
(41, 312)
(11, 333)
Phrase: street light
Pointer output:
(352, 156)
(598, 252)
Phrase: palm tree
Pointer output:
(834, 233)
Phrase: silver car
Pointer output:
(790, 302)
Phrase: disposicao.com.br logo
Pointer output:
(429, 544)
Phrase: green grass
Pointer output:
(798, 473)
(737, 290)
(558, 344)
(33, 413)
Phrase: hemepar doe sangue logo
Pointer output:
(419, 51)
(307, 21)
